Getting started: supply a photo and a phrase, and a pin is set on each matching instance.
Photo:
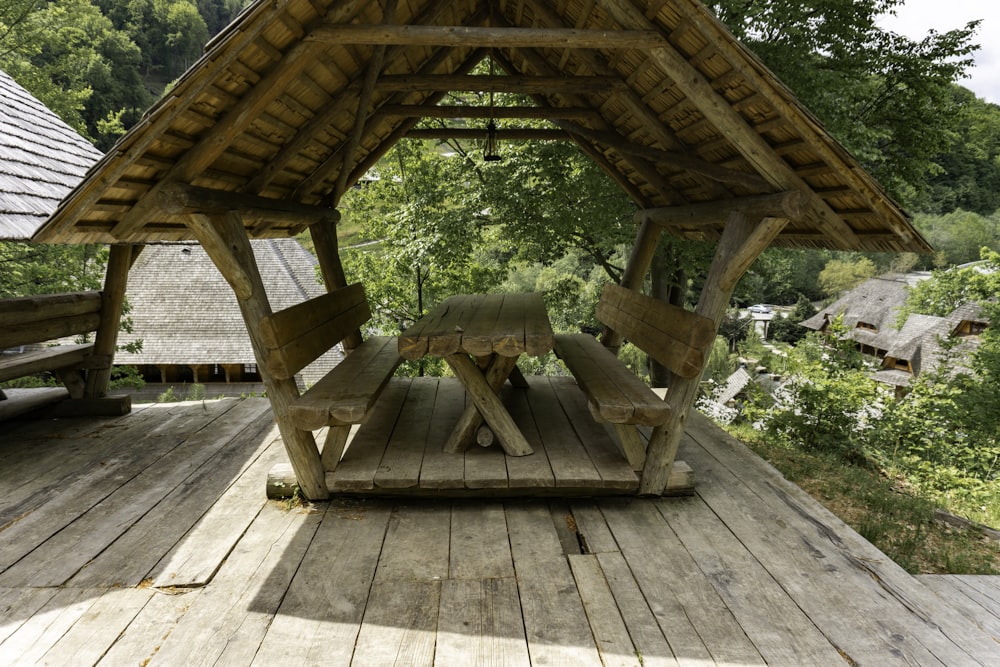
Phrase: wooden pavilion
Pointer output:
(297, 99)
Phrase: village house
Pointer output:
(189, 324)
(869, 316)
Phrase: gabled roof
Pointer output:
(185, 313)
(299, 98)
(874, 302)
(41, 160)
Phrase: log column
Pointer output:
(224, 238)
(751, 226)
(324, 238)
(112, 298)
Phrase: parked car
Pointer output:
(760, 308)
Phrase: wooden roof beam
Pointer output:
(218, 138)
(322, 120)
(792, 205)
(647, 171)
(712, 105)
(374, 69)
(408, 83)
(503, 134)
(463, 111)
(677, 158)
(180, 198)
(362, 166)
(506, 37)
(223, 50)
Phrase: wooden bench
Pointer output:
(296, 336)
(677, 338)
(41, 318)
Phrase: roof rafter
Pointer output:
(476, 36)
(480, 83)
(325, 117)
(648, 171)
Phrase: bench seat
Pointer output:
(53, 358)
(346, 394)
(616, 394)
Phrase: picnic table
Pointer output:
(481, 336)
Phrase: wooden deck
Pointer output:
(146, 539)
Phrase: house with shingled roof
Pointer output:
(869, 315)
(189, 321)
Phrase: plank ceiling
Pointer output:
(298, 99)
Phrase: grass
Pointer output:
(883, 510)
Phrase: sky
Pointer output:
(916, 17)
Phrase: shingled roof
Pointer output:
(868, 311)
(185, 313)
(41, 160)
(297, 99)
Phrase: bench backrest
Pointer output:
(296, 336)
(34, 319)
(679, 339)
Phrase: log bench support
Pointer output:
(679, 339)
(287, 341)
(752, 224)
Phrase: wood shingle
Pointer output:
(41, 160)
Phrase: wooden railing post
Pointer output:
(120, 261)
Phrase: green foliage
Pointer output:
(841, 275)
(721, 362)
(946, 290)
(826, 404)
(71, 57)
(958, 237)
(27, 269)
(969, 178)
(789, 329)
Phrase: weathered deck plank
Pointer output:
(136, 456)
(227, 622)
(320, 616)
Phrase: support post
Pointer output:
(742, 241)
(224, 238)
(324, 238)
(112, 298)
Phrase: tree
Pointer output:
(841, 275)
(958, 237)
(33, 268)
(948, 289)
(969, 177)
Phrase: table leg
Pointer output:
(496, 369)
(487, 403)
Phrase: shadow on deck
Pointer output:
(146, 539)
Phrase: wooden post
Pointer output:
(225, 241)
(112, 297)
(742, 242)
(324, 238)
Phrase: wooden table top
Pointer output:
(480, 325)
